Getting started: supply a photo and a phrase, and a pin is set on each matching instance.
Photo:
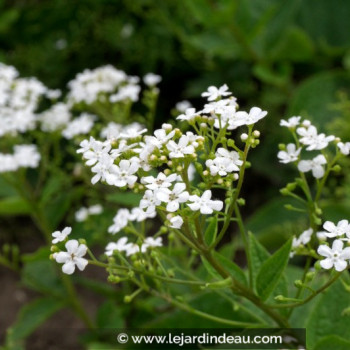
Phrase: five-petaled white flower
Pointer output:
(176, 221)
(151, 242)
(151, 79)
(180, 149)
(125, 173)
(61, 236)
(344, 148)
(213, 92)
(292, 122)
(161, 181)
(336, 256)
(204, 203)
(291, 154)
(149, 201)
(72, 257)
(254, 115)
(119, 221)
(315, 165)
(173, 197)
(189, 114)
(120, 246)
(303, 239)
(332, 230)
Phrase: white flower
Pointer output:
(342, 228)
(124, 173)
(303, 239)
(160, 138)
(254, 115)
(95, 209)
(137, 214)
(119, 221)
(73, 257)
(220, 107)
(180, 149)
(344, 147)
(292, 122)
(26, 156)
(105, 170)
(233, 156)
(176, 221)
(149, 201)
(183, 105)
(96, 150)
(225, 162)
(55, 118)
(161, 181)
(61, 236)
(204, 203)
(213, 92)
(220, 166)
(312, 139)
(111, 131)
(151, 79)
(81, 125)
(173, 197)
(89, 85)
(336, 256)
(133, 248)
(82, 214)
(127, 92)
(290, 155)
(189, 114)
(120, 246)
(132, 131)
(315, 165)
(152, 242)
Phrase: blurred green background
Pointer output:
(289, 57)
(286, 56)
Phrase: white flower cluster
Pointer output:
(83, 213)
(310, 140)
(107, 84)
(122, 245)
(337, 256)
(161, 165)
(19, 99)
(24, 156)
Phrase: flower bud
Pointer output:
(244, 137)
(256, 133)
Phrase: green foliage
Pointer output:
(211, 231)
(30, 317)
(327, 316)
(272, 270)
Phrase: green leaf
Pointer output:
(326, 318)
(332, 342)
(315, 96)
(109, 316)
(40, 273)
(211, 231)
(32, 315)
(270, 220)
(258, 255)
(14, 206)
(272, 270)
(127, 199)
(235, 271)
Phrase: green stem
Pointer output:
(316, 292)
